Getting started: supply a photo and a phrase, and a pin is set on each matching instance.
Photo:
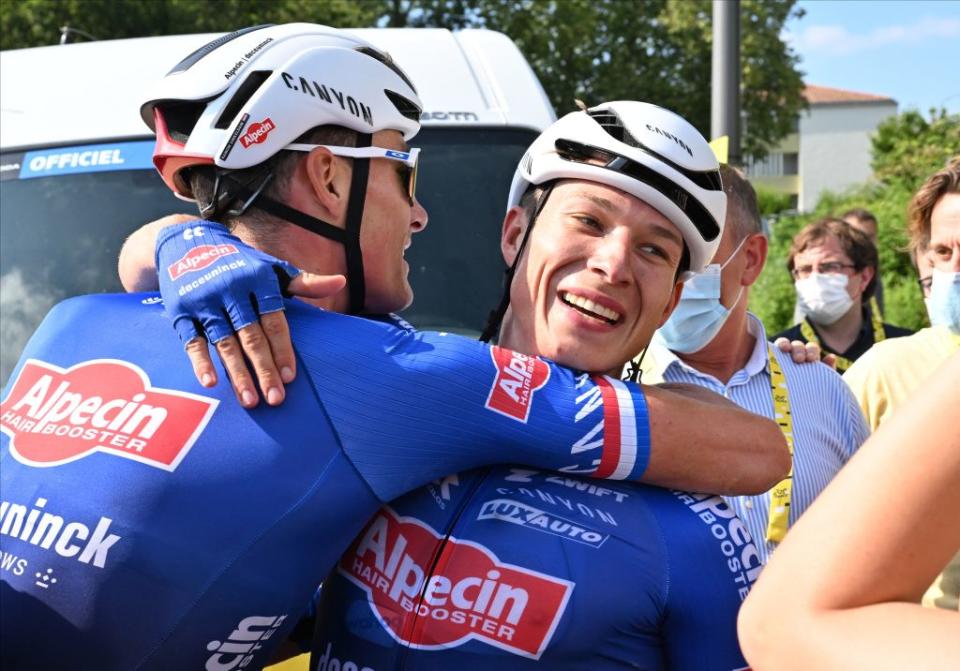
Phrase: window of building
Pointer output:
(791, 164)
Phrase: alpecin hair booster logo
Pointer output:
(466, 593)
(518, 378)
(55, 415)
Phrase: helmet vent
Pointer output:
(404, 105)
(246, 90)
(527, 163)
(181, 118)
(610, 122)
(193, 58)
(388, 61)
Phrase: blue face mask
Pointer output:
(943, 305)
(699, 315)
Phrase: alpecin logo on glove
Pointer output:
(198, 258)
(518, 377)
(54, 415)
(471, 594)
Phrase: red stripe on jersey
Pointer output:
(611, 429)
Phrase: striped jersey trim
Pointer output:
(619, 458)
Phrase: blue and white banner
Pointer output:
(87, 158)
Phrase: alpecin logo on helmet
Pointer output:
(518, 378)
(55, 415)
(471, 594)
(257, 132)
(198, 258)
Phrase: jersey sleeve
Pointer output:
(409, 407)
(713, 563)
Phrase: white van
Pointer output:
(76, 174)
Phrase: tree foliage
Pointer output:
(593, 50)
(33, 23)
(906, 149)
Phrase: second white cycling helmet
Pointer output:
(641, 149)
(242, 98)
(238, 101)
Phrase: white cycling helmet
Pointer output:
(239, 100)
(641, 149)
(242, 98)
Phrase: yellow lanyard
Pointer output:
(877, 315)
(876, 321)
(780, 495)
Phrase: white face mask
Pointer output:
(824, 298)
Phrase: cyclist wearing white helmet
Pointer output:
(438, 578)
(511, 567)
(241, 120)
(158, 524)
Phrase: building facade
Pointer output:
(830, 149)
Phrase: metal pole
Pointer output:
(725, 80)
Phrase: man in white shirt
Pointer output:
(713, 341)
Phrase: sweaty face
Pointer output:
(596, 279)
(389, 221)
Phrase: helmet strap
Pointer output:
(348, 237)
(304, 221)
(227, 191)
(495, 319)
(354, 253)
(634, 370)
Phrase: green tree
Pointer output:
(594, 50)
(906, 149)
(32, 23)
(657, 50)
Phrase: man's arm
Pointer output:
(137, 266)
(850, 608)
(702, 442)
(264, 343)
(413, 406)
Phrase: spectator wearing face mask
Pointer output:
(834, 268)
(713, 341)
(890, 373)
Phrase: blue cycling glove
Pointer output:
(214, 284)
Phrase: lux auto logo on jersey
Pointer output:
(470, 595)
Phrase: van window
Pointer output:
(64, 219)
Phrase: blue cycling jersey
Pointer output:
(148, 522)
(511, 568)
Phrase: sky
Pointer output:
(908, 50)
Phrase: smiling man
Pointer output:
(609, 210)
(568, 308)
(514, 568)
(126, 482)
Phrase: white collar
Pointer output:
(660, 359)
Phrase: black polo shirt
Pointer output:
(863, 342)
